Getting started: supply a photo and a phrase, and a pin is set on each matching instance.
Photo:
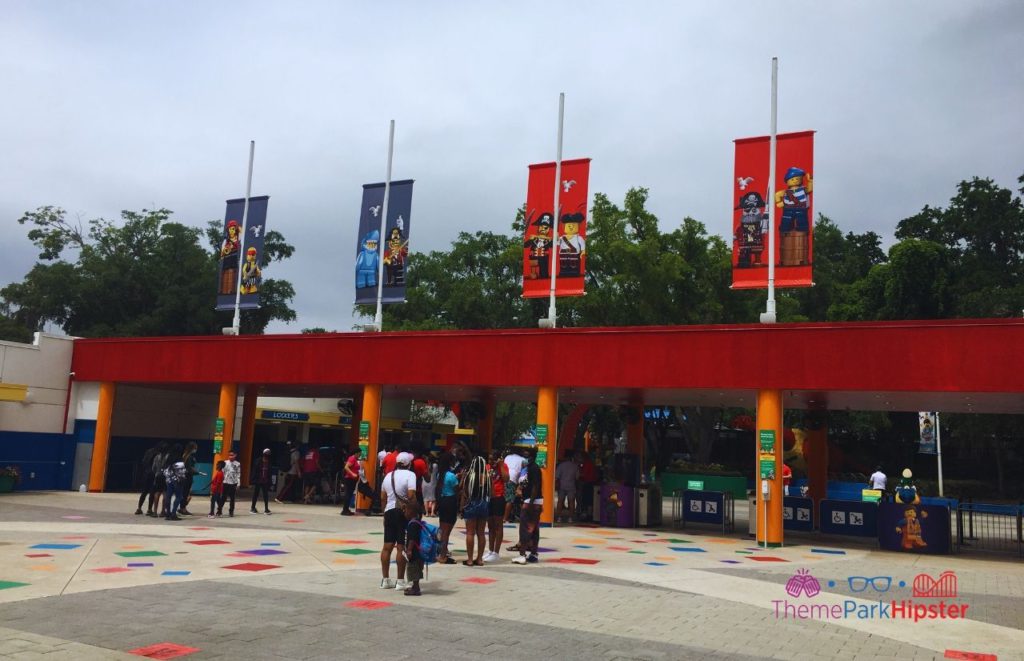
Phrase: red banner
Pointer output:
(540, 248)
(791, 206)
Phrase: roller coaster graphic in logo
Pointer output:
(943, 587)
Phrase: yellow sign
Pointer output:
(12, 392)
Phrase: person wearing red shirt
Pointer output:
(217, 489)
(310, 473)
(496, 508)
(787, 477)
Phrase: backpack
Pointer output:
(430, 542)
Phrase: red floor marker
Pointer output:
(618, 548)
(766, 558)
(205, 542)
(111, 570)
(574, 561)
(200, 528)
(164, 651)
(251, 566)
(479, 580)
(38, 555)
(294, 521)
(973, 656)
(368, 604)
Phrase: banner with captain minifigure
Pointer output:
(540, 244)
(792, 217)
(393, 250)
(242, 254)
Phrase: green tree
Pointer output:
(146, 275)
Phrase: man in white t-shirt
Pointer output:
(232, 478)
(398, 486)
(878, 480)
(514, 462)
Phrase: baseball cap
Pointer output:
(404, 458)
(266, 451)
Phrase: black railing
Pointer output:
(989, 527)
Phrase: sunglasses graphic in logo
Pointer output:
(943, 587)
(802, 583)
(861, 583)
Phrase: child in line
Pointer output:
(217, 490)
(414, 560)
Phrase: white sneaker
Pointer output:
(402, 584)
(519, 560)
(491, 556)
(386, 584)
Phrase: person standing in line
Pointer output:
(430, 490)
(154, 469)
(566, 474)
(217, 490)
(262, 475)
(475, 498)
(189, 459)
(878, 480)
(310, 473)
(496, 513)
(398, 488)
(170, 458)
(146, 471)
(529, 517)
(414, 560)
(232, 478)
(422, 470)
(292, 477)
(351, 478)
(176, 476)
(514, 464)
(447, 505)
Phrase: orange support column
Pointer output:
(485, 432)
(547, 414)
(248, 431)
(769, 461)
(226, 411)
(371, 415)
(101, 440)
(636, 443)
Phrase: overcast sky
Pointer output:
(130, 105)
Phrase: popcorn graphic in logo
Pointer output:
(802, 583)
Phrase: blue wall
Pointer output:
(50, 456)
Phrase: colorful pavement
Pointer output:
(81, 579)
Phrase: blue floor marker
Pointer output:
(830, 551)
(656, 564)
(270, 543)
(581, 546)
(56, 547)
(687, 549)
(175, 572)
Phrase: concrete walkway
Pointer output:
(82, 577)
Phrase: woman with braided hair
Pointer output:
(475, 492)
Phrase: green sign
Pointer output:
(870, 495)
(364, 429)
(542, 458)
(364, 450)
(767, 437)
(695, 485)
(542, 433)
(217, 445)
(219, 426)
(767, 469)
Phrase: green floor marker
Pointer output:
(745, 552)
(138, 554)
(680, 541)
(11, 584)
(355, 551)
(638, 552)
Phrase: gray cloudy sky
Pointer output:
(125, 105)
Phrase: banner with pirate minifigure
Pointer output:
(540, 244)
(238, 253)
(792, 214)
(395, 244)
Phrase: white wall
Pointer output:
(43, 366)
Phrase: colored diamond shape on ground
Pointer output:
(43, 567)
(139, 554)
(175, 572)
(617, 548)
(111, 570)
(11, 584)
(731, 562)
(582, 546)
(368, 604)
(638, 552)
(479, 580)
(294, 520)
(55, 547)
(767, 558)
(376, 533)
(832, 551)
(354, 551)
(163, 651)
(541, 549)
(205, 542)
(251, 566)
(574, 561)
(664, 557)
(656, 564)
(263, 552)
(973, 656)
(687, 549)
(673, 540)
(270, 543)
(237, 554)
(588, 540)
(745, 552)
(38, 555)
(140, 564)
(200, 528)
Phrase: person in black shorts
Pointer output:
(447, 505)
(397, 488)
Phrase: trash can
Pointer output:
(648, 505)
(752, 516)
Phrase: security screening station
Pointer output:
(956, 366)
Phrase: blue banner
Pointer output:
(241, 255)
(393, 249)
(928, 423)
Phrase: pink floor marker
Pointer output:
(38, 555)
(200, 528)
(164, 651)
(205, 542)
(111, 570)
(294, 521)
(574, 561)
(766, 558)
(251, 566)
(479, 580)
(368, 604)
(618, 548)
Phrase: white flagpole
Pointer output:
(237, 322)
(557, 213)
(768, 317)
(938, 449)
(378, 319)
